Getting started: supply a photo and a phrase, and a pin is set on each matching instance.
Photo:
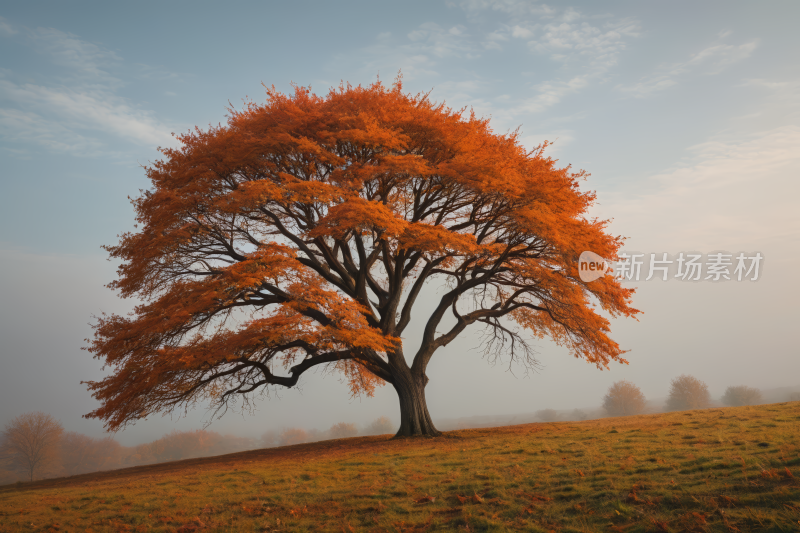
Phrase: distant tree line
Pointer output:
(35, 446)
(342, 430)
(686, 392)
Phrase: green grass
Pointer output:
(733, 469)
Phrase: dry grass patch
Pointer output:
(732, 469)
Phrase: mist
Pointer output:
(690, 137)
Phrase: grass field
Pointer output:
(733, 469)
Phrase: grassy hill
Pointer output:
(732, 469)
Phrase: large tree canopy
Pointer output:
(302, 232)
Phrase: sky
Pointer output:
(685, 114)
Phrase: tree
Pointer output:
(343, 430)
(687, 392)
(31, 440)
(380, 426)
(293, 436)
(624, 399)
(301, 234)
(9, 471)
(793, 397)
(742, 395)
(80, 453)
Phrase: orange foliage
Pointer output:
(81, 453)
(293, 436)
(343, 430)
(179, 445)
(624, 399)
(30, 442)
(301, 233)
(687, 392)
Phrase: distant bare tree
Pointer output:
(687, 392)
(793, 397)
(624, 399)
(343, 430)
(742, 395)
(293, 436)
(9, 472)
(547, 415)
(31, 441)
(380, 426)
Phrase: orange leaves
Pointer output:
(437, 240)
(269, 262)
(774, 473)
(365, 129)
(363, 216)
(359, 379)
(190, 527)
(286, 188)
(359, 215)
(770, 474)
(693, 521)
(253, 193)
(660, 525)
(151, 365)
(298, 511)
(302, 231)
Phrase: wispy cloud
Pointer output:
(584, 49)
(85, 109)
(550, 93)
(438, 41)
(83, 60)
(418, 53)
(29, 127)
(581, 48)
(709, 61)
(6, 28)
(512, 7)
(570, 38)
(587, 50)
(573, 39)
(77, 110)
(729, 193)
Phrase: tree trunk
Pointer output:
(415, 420)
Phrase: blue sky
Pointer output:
(686, 114)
